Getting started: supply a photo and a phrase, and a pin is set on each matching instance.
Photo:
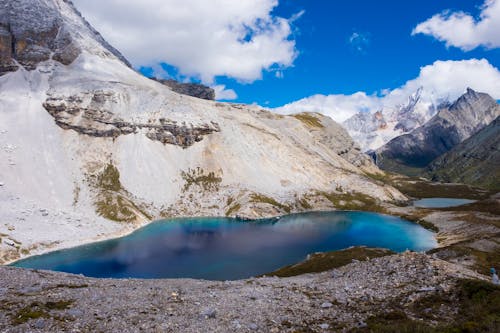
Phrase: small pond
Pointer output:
(441, 202)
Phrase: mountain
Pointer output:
(373, 130)
(410, 153)
(91, 149)
(475, 161)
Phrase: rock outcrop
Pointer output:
(190, 89)
(32, 32)
(476, 161)
(410, 153)
(87, 114)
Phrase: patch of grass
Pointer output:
(478, 304)
(115, 207)
(309, 120)
(483, 260)
(109, 179)
(353, 201)
(197, 177)
(39, 310)
(305, 204)
(58, 305)
(491, 206)
(259, 198)
(233, 209)
(28, 313)
(418, 188)
(320, 262)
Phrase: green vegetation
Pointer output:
(320, 262)
(39, 310)
(109, 179)
(418, 188)
(233, 209)
(483, 260)
(309, 120)
(115, 207)
(197, 177)
(487, 206)
(259, 198)
(112, 203)
(353, 201)
(478, 311)
(304, 203)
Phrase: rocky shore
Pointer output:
(342, 299)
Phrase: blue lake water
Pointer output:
(226, 249)
(441, 202)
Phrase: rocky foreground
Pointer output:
(342, 299)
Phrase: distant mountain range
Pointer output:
(460, 143)
(373, 130)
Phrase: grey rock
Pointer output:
(35, 31)
(88, 114)
(209, 313)
(40, 324)
(75, 313)
(326, 305)
(190, 89)
(324, 326)
(253, 327)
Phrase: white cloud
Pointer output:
(443, 80)
(338, 107)
(221, 93)
(201, 38)
(462, 30)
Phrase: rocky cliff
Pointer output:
(90, 149)
(410, 153)
(190, 89)
(32, 32)
(475, 161)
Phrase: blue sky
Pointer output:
(341, 47)
(385, 55)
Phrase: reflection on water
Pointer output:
(223, 249)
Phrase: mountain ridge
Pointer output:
(410, 153)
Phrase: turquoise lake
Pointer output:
(441, 202)
(227, 249)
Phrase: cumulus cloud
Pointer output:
(203, 39)
(443, 80)
(462, 30)
(221, 93)
(338, 107)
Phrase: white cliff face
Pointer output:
(92, 149)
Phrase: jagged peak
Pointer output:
(35, 31)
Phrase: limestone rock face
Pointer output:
(32, 32)
(453, 124)
(88, 113)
